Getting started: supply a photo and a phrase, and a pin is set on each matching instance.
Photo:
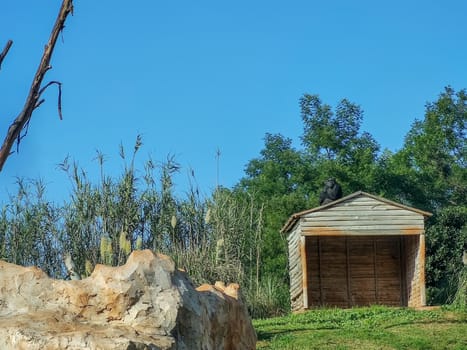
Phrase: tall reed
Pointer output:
(213, 238)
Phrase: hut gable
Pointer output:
(358, 250)
(359, 213)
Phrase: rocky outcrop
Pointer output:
(145, 304)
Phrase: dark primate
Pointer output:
(332, 191)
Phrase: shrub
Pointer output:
(446, 242)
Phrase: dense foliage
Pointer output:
(446, 242)
(233, 234)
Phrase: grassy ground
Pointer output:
(365, 328)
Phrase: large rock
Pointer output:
(144, 304)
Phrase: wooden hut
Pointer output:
(358, 250)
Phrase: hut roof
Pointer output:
(295, 217)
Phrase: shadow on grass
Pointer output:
(266, 336)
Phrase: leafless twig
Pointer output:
(59, 84)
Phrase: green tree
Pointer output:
(328, 134)
(288, 180)
(429, 172)
(279, 178)
(433, 159)
(336, 146)
(278, 170)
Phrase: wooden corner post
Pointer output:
(303, 261)
(421, 279)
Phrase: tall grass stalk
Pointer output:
(460, 298)
(213, 238)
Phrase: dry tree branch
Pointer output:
(33, 100)
(5, 51)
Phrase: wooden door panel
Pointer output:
(352, 271)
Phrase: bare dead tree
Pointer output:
(34, 97)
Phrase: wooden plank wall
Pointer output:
(363, 271)
(389, 279)
(362, 215)
(313, 271)
(351, 271)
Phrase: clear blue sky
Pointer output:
(196, 76)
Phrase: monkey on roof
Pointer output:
(332, 191)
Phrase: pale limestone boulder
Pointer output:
(145, 304)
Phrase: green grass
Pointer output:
(365, 328)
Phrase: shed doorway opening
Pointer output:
(356, 271)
